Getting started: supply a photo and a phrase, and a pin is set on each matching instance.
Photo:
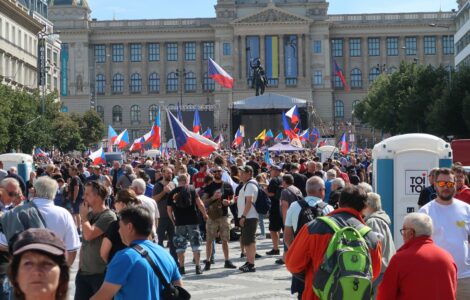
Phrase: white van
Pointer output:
(13, 159)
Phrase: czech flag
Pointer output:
(196, 122)
(98, 157)
(293, 115)
(287, 130)
(178, 111)
(156, 130)
(238, 139)
(338, 72)
(208, 133)
(137, 144)
(279, 137)
(190, 142)
(343, 144)
(219, 139)
(219, 75)
(39, 153)
(122, 140)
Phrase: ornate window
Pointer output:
(100, 84)
(356, 78)
(153, 111)
(136, 83)
(172, 83)
(373, 46)
(339, 109)
(117, 114)
(154, 83)
(135, 52)
(208, 83)
(373, 74)
(154, 51)
(355, 47)
(189, 51)
(190, 82)
(118, 83)
(172, 51)
(135, 114)
(117, 52)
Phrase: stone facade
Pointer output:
(123, 55)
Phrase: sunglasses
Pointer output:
(216, 171)
(449, 184)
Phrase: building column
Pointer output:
(127, 75)
(308, 60)
(300, 60)
(108, 72)
(237, 57)
(145, 69)
(282, 77)
(243, 63)
(439, 49)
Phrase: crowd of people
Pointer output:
(132, 222)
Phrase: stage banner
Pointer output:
(291, 57)
(252, 52)
(272, 56)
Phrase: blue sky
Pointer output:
(158, 9)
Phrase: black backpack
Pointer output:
(263, 203)
(308, 213)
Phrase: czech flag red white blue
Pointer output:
(338, 72)
(190, 142)
(287, 130)
(122, 140)
(219, 75)
(137, 144)
(196, 122)
(238, 139)
(156, 129)
(293, 115)
(344, 144)
(39, 153)
(98, 157)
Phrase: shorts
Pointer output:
(185, 233)
(249, 231)
(275, 221)
(76, 206)
(221, 226)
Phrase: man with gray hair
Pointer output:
(126, 178)
(55, 218)
(378, 220)
(11, 193)
(420, 269)
(337, 186)
(138, 185)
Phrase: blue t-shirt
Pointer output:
(135, 275)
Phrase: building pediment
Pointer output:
(271, 15)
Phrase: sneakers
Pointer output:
(247, 268)
(242, 255)
(280, 261)
(198, 270)
(211, 261)
(207, 266)
(257, 255)
(273, 252)
(229, 265)
(182, 270)
(260, 237)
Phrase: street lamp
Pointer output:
(181, 74)
(42, 68)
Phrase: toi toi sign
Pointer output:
(415, 181)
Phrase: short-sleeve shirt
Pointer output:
(225, 189)
(162, 204)
(135, 275)
(290, 194)
(76, 183)
(186, 215)
(249, 189)
(90, 259)
(292, 216)
(112, 234)
(275, 188)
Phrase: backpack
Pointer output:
(346, 269)
(308, 213)
(263, 203)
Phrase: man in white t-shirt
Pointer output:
(451, 222)
(138, 185)
(248, 217)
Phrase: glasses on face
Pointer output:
(449, 184)
(402, 231)
(13, 194)
(216, 171)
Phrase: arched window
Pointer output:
(135, 114)
(100, 84)
(172, 83)
(154, 83)
(208, 84)
(100, 111)
(118, 83)
(338, 83)
(339, 109)
(136, 83)
(373, 74)
(153, 111)
(356, 78)
(190, 82)
(117, 114)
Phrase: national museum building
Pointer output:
(127, 69)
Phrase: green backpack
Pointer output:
(346, 270)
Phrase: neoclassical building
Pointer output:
(126, 69)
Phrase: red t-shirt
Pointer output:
(464, 194)
(198, 179)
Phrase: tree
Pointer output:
(66, 133)
(92, 128)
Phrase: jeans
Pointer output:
(261, 224)
(166, 226)
(5, 288)
(87, 285)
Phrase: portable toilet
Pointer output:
(23, 163)
(400, 171)
(325, 152)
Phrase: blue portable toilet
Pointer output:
(400, 171)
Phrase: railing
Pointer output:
(392, 17)
(199, 22)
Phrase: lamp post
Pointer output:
(181, 74)
(42, 68)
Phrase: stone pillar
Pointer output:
(144, 68)
(127, 74)
(300, 61)
(282, 77)
(108, 72)
(243, 64)
(308, 58)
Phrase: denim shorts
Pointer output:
(185, 234)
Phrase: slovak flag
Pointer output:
(156, 139)
(98, 157)
(112, 135)
(196, 122)
(39, 153)
(219, 75)
(190, 142)
(344, 144)
(338, 72)
(238, 139)
(293, 115)
(122, 140)
(208, 133)
(137, 144)
(287, 130)
(279, 137)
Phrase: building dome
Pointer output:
(80, 3)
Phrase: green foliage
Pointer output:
(419, 98)
(23, 125)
